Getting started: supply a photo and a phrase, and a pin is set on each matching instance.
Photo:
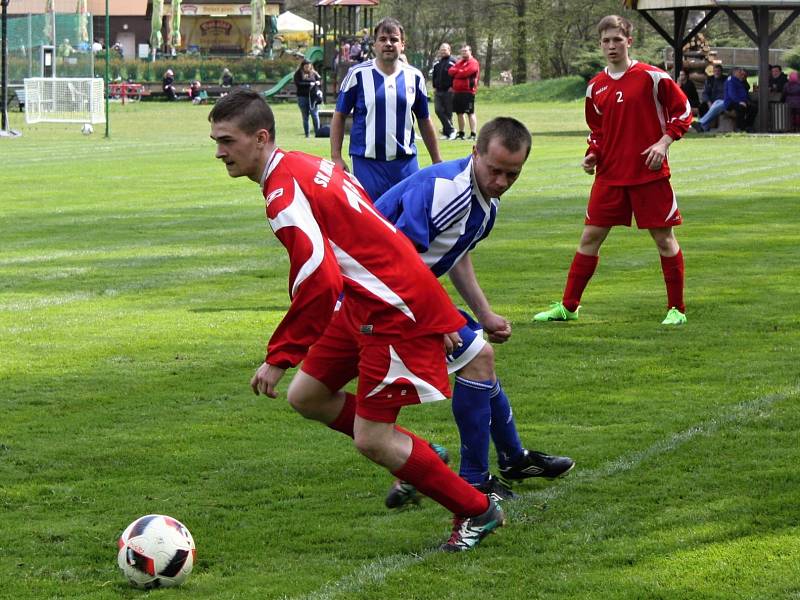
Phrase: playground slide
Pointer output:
(314, 54)
(278, 86)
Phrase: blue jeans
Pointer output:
(306, 109)
(716, 109)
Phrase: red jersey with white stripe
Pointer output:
(337, 242)
(629, 112)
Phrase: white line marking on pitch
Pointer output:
(376, 571)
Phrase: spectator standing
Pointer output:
(634, 111)
(791, 95)
(465, 73)
(309, 94)
(393, 325)
(168, 85)
(443, 86)
(687, 87)
(355, 51)
(777, 79)
(384, 94)
(737, 98)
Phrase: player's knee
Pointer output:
(370, 447)
(480, 368)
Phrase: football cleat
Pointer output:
(557, 312)
(674, 317)
(469, 531)
(537, 464)
(402, 493)
(497, 489)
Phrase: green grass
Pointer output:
(138, 287)
(561, 89)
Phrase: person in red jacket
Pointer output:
(634, 111)
(391, 328)
(465, 74)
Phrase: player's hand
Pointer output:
(266, 379)
(452, 341)
(498, 328)
(589, 163)
(655, 155)
(339, 162)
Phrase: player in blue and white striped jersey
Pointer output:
(445, 210)
(385, 96)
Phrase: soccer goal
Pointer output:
(64, 100)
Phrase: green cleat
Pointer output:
(557, 312)
(674, 317)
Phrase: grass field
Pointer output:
(138, 287)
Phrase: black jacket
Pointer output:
(714, 89)
(440, 78)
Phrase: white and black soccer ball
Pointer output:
(156, 551)
(87, 129)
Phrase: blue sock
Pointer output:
(473, 415)
(504, 430)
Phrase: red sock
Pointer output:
(344, 422)
(672, 266)
(580, 272)
(428, 473)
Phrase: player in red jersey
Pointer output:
(392, 320)
(635, 111)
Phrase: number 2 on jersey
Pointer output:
(619, 96)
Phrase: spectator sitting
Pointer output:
(97, 46)
(197, 94)
(738, 99)
(713, 90)
(791, 95)
(777, 79)
(118, 49)
(227, 78)
(168, 85)
(688, 88)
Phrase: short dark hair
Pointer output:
(615, 22)
(389, 24)
(247, 108)
(512, 134)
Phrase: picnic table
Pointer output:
(126, 90)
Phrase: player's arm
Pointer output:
(679, 119)
(594, 119)
(315, 283)
(345, 103)
(428, 132)
(462, 274)
(337, 139)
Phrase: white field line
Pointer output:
(376, 571)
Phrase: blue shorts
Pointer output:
(472, 343)
(377, 176)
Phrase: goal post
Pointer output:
(64, 100)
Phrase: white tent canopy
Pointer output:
(288, 22)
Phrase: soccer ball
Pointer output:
(87, 129)
(156, 551)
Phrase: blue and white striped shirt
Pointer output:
(382, 106)
(442, 211)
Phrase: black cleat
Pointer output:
(537, 464)
(497, 489)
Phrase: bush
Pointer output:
(187, 68)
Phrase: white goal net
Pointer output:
(64, 100)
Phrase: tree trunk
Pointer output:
(487, 63)
(521, 44)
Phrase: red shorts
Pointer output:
(653, 204)
(389, 376)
